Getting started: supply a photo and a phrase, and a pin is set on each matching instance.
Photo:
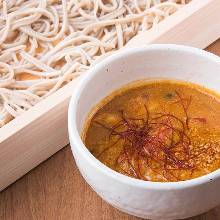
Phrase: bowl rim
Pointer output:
(96, 164)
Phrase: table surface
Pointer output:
(56, 190)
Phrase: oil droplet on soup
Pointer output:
(160, 131)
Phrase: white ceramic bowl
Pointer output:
(140, 198)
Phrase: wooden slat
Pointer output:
(196, 24)
(31, 138)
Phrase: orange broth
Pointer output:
(163, 131)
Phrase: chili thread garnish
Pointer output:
(155, 142)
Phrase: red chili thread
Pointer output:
(154, 139)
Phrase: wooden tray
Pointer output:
(40, 132)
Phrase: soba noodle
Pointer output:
(44, 44)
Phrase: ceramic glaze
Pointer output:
(140, 198)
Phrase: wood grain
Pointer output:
(56, 190)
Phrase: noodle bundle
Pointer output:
(45, 44)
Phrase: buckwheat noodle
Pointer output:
(45, 44)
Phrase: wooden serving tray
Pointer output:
(40, 132)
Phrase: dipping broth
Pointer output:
(161, 131)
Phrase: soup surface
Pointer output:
(160, 131)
